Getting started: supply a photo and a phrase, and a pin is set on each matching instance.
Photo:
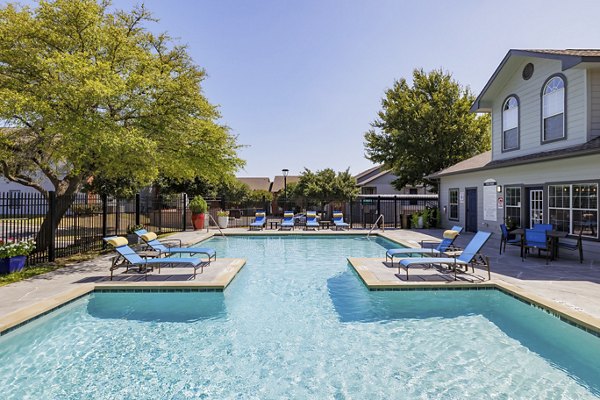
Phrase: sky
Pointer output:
(299, 82)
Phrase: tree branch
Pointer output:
(22, 179)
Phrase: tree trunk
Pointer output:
(61, 206)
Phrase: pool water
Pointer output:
(297, 323)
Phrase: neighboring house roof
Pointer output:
(373, 177)
(568, 57)
(257, 183)
(367, 172)
(278, 182)
(484, 161)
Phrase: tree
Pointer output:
(87, 91)
(326, 186)
(426, 127)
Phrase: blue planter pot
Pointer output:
(12, 264)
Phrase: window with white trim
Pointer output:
(453, 204)
(510, 124)
(553, 109)
(512, 206)
(574, 207)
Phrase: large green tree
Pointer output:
(326, 186)
(425, 127)
(87, 90)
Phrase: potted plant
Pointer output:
(223, 218)
(132, 238)
(13, 255)
(198, 207)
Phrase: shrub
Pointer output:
(12, 248)
(198, 205)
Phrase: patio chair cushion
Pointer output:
(117, 241)
(149, 236)
(450, 234)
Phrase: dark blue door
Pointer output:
(471, 210)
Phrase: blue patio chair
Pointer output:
(163, 247)
(448, 240)
(338, 220)
(260, 219)
(469, 256)
(288, 220)
(578, 245)
(311, 220)
(504, 240)
(128, 258)
(543, 227)
(536, 239)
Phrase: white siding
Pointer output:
(594, 77)
(586, 168)
(529, 94)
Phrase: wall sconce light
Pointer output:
(445, 210)
(499, 188)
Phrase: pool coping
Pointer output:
(21, 317)
(576, 318)
(25, 315)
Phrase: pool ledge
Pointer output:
(377, 275)
(216, 277)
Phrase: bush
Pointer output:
(12, 248)
(198, 205)
(222, 213)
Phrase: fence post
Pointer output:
(104, 219)
(395, 211)
(52, 234)
(378, 209)
(160, 208)
(137, 209)
(117, 217)
(184, 222)
(351, 211)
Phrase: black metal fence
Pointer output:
(66, 226)
(86, 219)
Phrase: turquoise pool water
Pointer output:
(298, 323)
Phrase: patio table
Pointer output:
(554, 236)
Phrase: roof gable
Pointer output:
(513, 59)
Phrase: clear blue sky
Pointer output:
(300, 81)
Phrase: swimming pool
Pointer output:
(298, 323)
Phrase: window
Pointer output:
(553, 109)
(512, 204)
(368, 190)
(572, 208)
(453, 202)
(510, 124)
(413, 202)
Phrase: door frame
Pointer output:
(474, 189)
(527, 216)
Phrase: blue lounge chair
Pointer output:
(288, 220)
(536, 239)
(311, 220)
(338, 220)
(151, 240)
(446, 243)
(128, 258)
(469, 256)
(260, 219)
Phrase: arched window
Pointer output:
(553, 109)
(510, 124)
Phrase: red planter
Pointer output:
(12, 264)
(198, 221)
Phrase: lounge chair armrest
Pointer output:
(429, 243)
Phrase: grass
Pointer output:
(29, 272)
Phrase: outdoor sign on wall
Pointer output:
(500, 202)
(490, 210)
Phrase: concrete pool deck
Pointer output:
(564, 285)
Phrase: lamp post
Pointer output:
(285, 172)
